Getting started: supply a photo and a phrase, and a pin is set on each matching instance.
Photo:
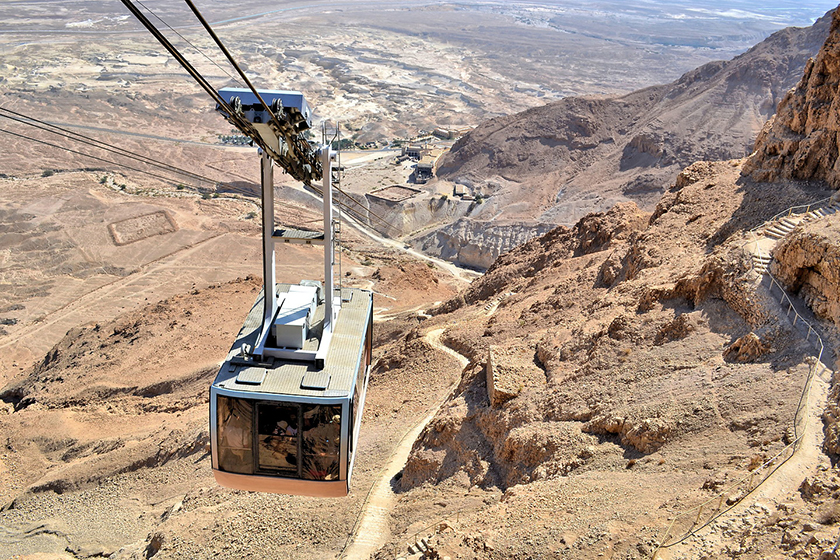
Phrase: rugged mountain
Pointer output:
(630, 378)
(632, 368)
(558, 162)
(801, 141)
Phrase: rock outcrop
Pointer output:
(608, 330)
(802, 140)
(807, 262)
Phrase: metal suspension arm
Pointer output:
(300, 154)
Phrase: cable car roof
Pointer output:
(299, 378)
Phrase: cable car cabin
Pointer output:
(286, 421)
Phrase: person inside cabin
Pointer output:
(321, 443)
(278, 441)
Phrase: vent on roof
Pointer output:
(316, 380)
(251, 376)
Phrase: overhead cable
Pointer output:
(235, 118)
(175, 31)
(91, 156)
(93, 142)
(301, 154)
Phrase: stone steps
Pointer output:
(761, 262)
(496, 301)
(419, 548)
(781, 227)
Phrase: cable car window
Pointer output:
(321, 441)
(360, 386)
(277, 434)
(235, 421)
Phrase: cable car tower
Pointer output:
(286, 405)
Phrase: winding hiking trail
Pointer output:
(373, 529)
(806, 458)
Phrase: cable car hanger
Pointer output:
(287, 403)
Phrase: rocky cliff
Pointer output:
(802, 140)
(477, 244)
(807, 262)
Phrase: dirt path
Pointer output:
(373, 529)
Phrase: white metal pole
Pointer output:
(326, 165)
(270, 291)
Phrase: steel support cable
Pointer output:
(353, 213)
(93, 142)
(187, 41)
(234, 118)
(233, 63)
(379, 218)
(293, 141)
(357, 215)
(72, 151)
(196, 75)
(346, 208)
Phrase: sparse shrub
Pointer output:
(755, 462)
(214, 195)
(430, 264)
(103, 180)
(829, 513)
(123, 186)
(180, 186)
(250, 215)
(205, 196)
(48, 173)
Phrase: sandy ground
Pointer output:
(119, 295)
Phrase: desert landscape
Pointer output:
(605, 329)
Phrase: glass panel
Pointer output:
(277, 433)
(321, 445)
(355, 413)
(235, 421)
